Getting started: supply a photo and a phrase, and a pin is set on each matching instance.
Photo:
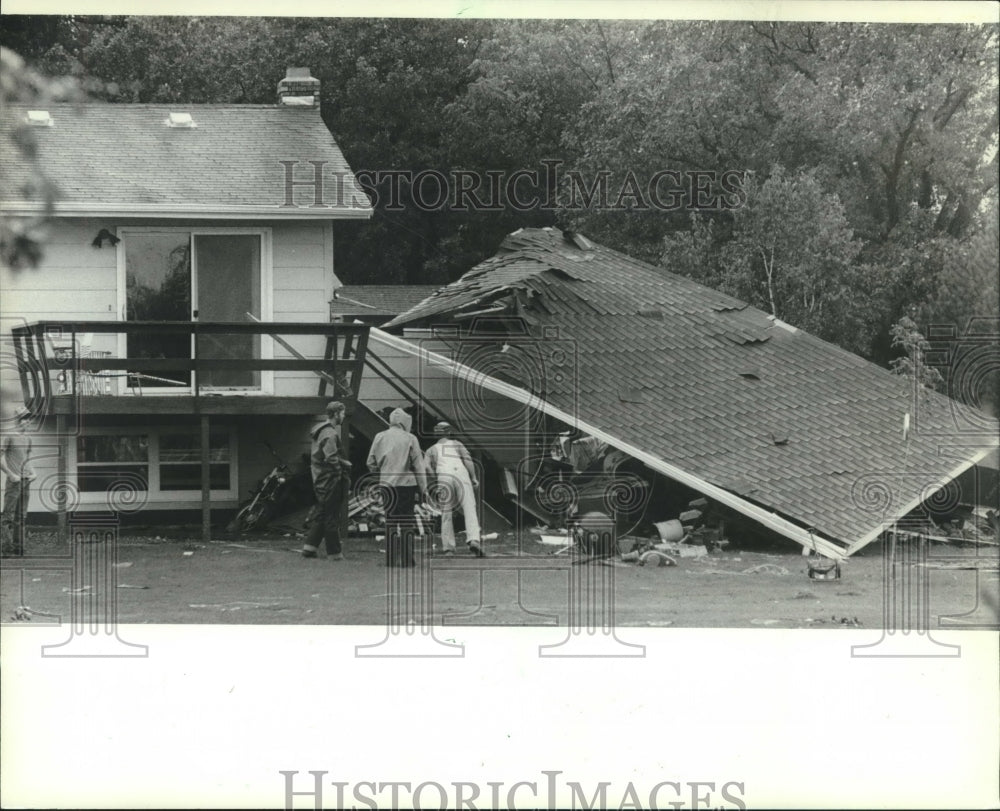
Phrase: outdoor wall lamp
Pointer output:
(105, 234)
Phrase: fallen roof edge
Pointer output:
(767, 518)
(915, 502)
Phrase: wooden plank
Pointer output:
(206, 483)
(62, 436)
(291, 349)
(233, 404)
(202, 364)
(205, 327)
(22, 365)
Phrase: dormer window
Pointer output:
(40, 118)
(180, 121)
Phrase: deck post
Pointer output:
(62, 437)
(345, 438)
(206, 487)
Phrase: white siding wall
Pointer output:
(74, 280)
(303, 287)
(78, 281)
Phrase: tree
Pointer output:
(912, 362)
(21, 239)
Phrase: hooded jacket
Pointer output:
(395, 454)
(327, 458)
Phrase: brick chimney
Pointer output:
(298, 89)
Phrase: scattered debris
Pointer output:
(766, 568)
(670, 531)
(22, 614)
(237, 606)
(127, 586)
(244, 546)
(188, 553)
(81, 590)
(122, 565)
(682, 550)
(658, 557)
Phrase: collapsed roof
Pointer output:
(718, 391)
(377, 303)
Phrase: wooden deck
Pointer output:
(42, 364)
(208, 404)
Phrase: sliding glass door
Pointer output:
(227, 273)
(158, 288)
(194, 275)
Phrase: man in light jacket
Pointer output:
(395, 455)
(449, 461)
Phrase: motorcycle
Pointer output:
(281, 491)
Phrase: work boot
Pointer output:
(336, 556)
(476, 549)
(308, 551)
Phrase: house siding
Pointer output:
(77, 281)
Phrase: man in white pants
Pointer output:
(449, 461)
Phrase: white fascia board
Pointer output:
(174, 212)
(769, 519)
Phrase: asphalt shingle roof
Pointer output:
(124, 157)
(716, 387)
(383, 299)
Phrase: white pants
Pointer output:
(461, 494)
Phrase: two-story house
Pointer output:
(179, 320)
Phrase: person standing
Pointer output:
(15, 462)
(331, 483)
(449, 461)
(395, 455)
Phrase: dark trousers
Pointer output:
(325, 524)
(400, 527)
(15, 515)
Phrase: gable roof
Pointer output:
(719, 390)
(123, 159)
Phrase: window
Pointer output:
(163, 462)
(180, 461)
(101, 461)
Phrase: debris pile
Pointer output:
(966, 523)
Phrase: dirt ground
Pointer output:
(163, 576)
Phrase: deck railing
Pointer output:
(52, 360)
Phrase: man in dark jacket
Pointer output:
(331, 482)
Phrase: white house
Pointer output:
(177, 230)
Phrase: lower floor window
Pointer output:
(165, 461)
